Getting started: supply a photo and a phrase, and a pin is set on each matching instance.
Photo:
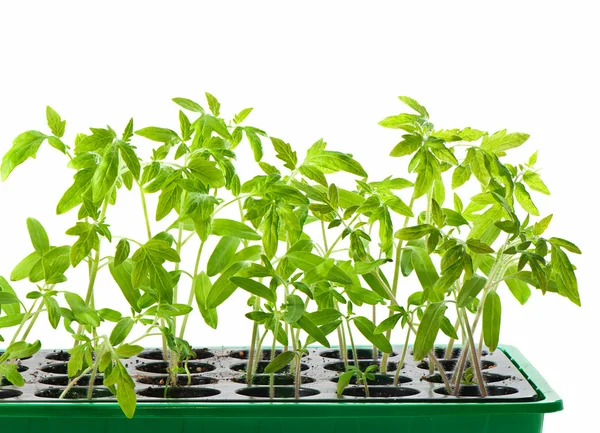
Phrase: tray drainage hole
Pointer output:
(278, 379)
(157, 354)
(265, 354)
(75, 393)
(260, 368)
(162, 367)
(380, 392)
(487, 377)
(380, 379)
(61, 355)
(450, 364)
(9, 393)
(360, 353)
(182, 380)
(280, 392)
(473, 391)
(64, 380)
(183, 392)
(58, 368)
(340, 367)
(440, 352)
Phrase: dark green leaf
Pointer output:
(492, 312)
(428, 329)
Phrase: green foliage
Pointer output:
(316, 260)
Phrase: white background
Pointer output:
(331, 70)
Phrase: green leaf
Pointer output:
(24, 146)
(454, 218)
(448, 328)
(294, 308)
(122, 252)
(424, 267)
(307, 261)
(11, 372)
(540, 227)
(255, 288)
(122, 276)
(106, 174)
(130, 159)
(126, 396)
(54, 312)
(22, 349)
(534, 181)
(461, 175)
(202, 287)
(213, 104)
(121, 331)
(428, 329)
(387, 324)
(223, 288)
(161, 135)
(270, 229)
(189, 105)
(325, 316)
(367, 329)
(55, 123)
(128, 350)
(524, 199)
(5, 287)
(39, 237)
(285, 153)
(409, 145)
(344, 380)
(207, 172)
(222, 255)
(279, 362)
(470, 289)
(367, 267)
(227, 227)
(241, 116)
(565, 274)
(479, 247)
(414, 105)
(22, 270)
(492, 312)
(517, 287)
(8, 298)
(73, 196)
(311, 329)
(501, 141)
(414, 233)
(569, 246)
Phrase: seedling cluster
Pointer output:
(316, 261)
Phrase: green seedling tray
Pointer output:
(457, 416)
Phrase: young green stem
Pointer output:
(145, 208)
(402, 357)
(26, 317)
(272, 376)
(474, 359)
(252, 351)
(73, 382)
(192, 293)
(450, 347)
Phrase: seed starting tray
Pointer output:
(218, 375)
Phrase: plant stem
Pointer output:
(34, 318)
(272, 376)
(298, 378)
(375, 351)
(324, 236)
(73, 382)
(252, 351)
(145, 208)
(449, 348)
(474, 358)
(402, 357)
(26, 317)
(354, 353)
(434, 361)
(192, 293)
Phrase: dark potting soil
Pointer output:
(220, 375)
